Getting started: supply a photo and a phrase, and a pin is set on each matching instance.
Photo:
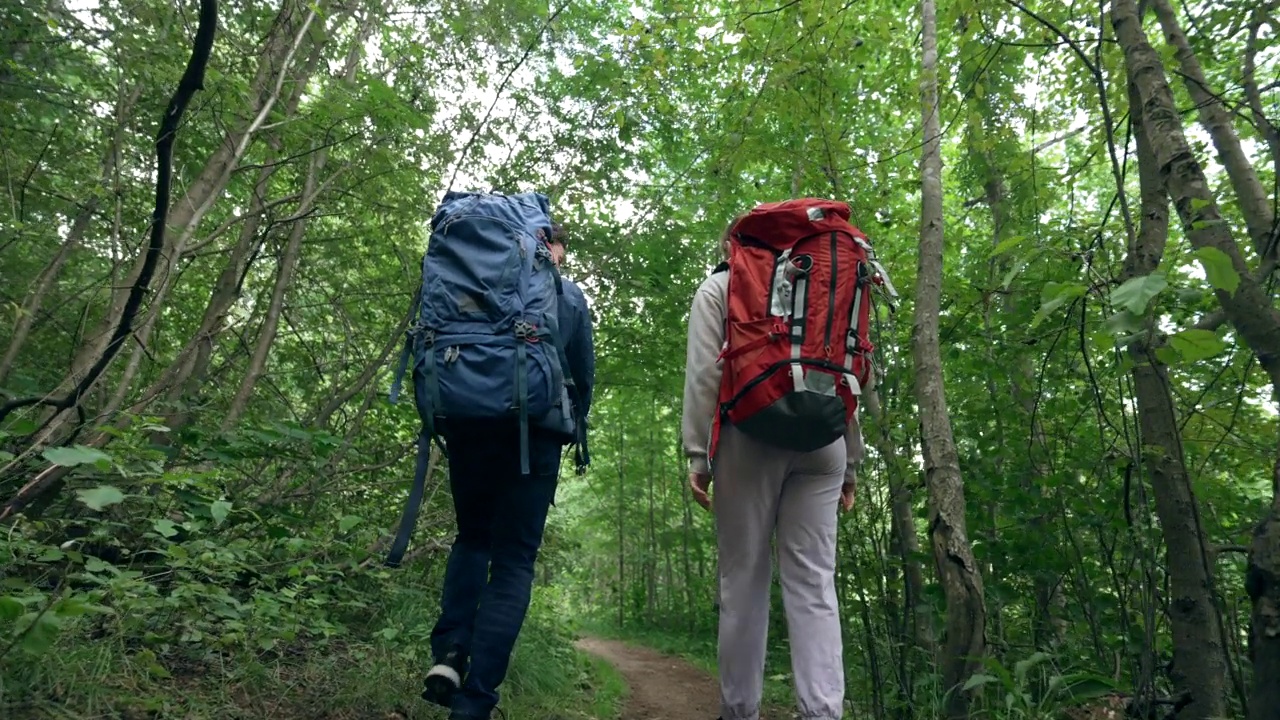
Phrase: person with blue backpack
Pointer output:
(503, 373)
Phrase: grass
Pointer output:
(369, 671)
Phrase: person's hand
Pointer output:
(847, 493)
(700, 485)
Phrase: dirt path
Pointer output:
(662, 687)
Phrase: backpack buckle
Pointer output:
(422, 332)
(526, 331)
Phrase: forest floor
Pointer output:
(661, 687)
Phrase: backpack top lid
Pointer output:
(791, 219)
(530, 209)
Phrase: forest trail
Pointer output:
(662, 687)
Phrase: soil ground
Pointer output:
(662, 687)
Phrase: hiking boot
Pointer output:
(444, 678)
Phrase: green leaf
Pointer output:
(10, 608)
(1008, 244)
(1197, 344)
(1136, 293)
(1054, 296)
(100, 497)
(39, 637)
(76, 606)
(1218, 269)
(148, 660)
(219, 509)
(165, 527)
(96, 565)
(75, 455)
(1083, 686)
(1013, 272)
(979, 679)
(51, 554)
(349, 522)
(1124, 323)
(1022, 667)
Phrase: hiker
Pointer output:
(503, 465)
(770, 416)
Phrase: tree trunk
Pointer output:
(187, 372)
(957, 568)
(622, 588)
(270, 323)
(1199, 659)
(1252, 93)
(1262, 582)
(1214, 117)
(1248, 308)
(291, 255)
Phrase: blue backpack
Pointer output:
(486, 343)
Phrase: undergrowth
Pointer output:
(152, 593)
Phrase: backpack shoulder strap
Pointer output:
(581, 455)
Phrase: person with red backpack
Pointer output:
(778, 354)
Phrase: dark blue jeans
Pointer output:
(489, 576)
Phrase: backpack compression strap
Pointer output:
(410, 516)
(581, 456)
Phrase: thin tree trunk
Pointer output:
(953, 554)
(686, 524)
(1266, 128)
(281, 46)
(291, 255)
(876, 678)
(341, 395)
(622, 589)
(903, 526)
(1199, 659)
(188, 370)
(651, 559)
(1262, 582)
(191, 82)
(186, 214)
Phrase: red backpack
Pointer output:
(796, 352)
